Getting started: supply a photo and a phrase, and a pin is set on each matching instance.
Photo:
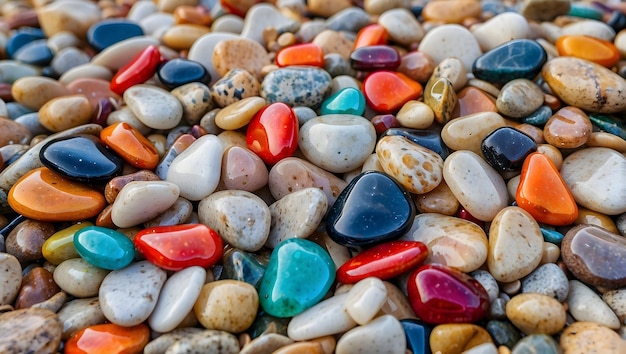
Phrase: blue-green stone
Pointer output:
(503, 333)
(516, 59)
(104, 248)
(243, 266)
(538, 117)
(346, 101)
(265, 323)
(585, 11)
(608, 124)
(551, 236)
(299, 274)
(536, 343)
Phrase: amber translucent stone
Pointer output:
(109, 338)
(300, 54)
(590, 48)
(387, 91)
(131, 145)
(371, 35)
(472, 100)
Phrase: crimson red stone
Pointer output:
(388, 91)
(383, 261)
(137, 71)
(180, 246)
(464, 214)
(439, 294)
(300, 54)
(371, 35)
(375, 57)
(273, 133)
(382, 122)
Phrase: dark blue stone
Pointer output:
(49, 71)
(517, 59)
(243, 266)
(506, 148)
(82, 157)
(426, 138)
(22, 37)
(35, 52)
(372, 209)
(106, 33)
(417, 335)
(177, 72)
(503, 333)
(539, 117)
(617, 21)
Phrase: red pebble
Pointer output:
(108, 338)
(382, 122)
(383, 261)
(238, 7)
(273, 133)
(180, 246)
(133, 147)
(137, 71)
(464, 214)
(388, 91)
(373, 34)
(439, 294)
(300, 54)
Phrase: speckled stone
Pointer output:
(207, 341)
(10, 278)
(519, 98)
(616, 299)
(296, 86)
(80, 313)
(547, 279)
(588, 337)
(488, 282)
(30, 330)
(227, 305)
(195, 100)
(237, 84)
(239, 53)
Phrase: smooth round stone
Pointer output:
(517, 59)
(27, 238)
(500, 29)
(79, 278)
(74, 16)
(506, 148)
(589, 48)
(78, 314)
(107, 337)
(457, 337)
(37, 286)
(13, 70)
(196, 171)
(587, 306)
(243, 170)
(206, 44)
(488, 282)
(60, 246)
(82, 157)
(153, 106)
(68, 58)
(334, 42)
(536, 314)
(515, 244)
(296, 86)
(417, 168)
(544, 10)
(451, 40)
(65, 112)
(182, 36)
(568, 128)
(13, 132)
(454, 242)
(296, 215)
(121, 53)
(66, 200)
(325, 318)
(36, 53)
(88, 70)
(451, 13)
(238, 114)
(178, 72)
(372, 209)
(239, 53)
(236, 85)
(586, 169)
(240, 217)
(140, 201)
(365, 299)
(484, 199)
(415, 115)
(348, 100)
(519, 98)
(227, 305)
(130, 144)
(587, 337)
(592, 28)
(20, 38)
(297, 277)
(273, 133)
(616, 299)
(104, 248)
(128, 296)
(337, 143)
(202, 341)
(595, 256)
(10, 278)
(34, 91)
(104, 34)
(385, 333)
(548, 279)
(31, 330)
(418, 66)
(266, 343)
(402, 26)
(536, 343)
(468, 132)
(503, 333)
(388, 91)
(375, 57)
(439, 294)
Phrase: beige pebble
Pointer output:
(65, 112)
(550, 253)
(79, 278)
(440, 200)
(500, 29)
(10, 278)
(238, 114)
(227, 305)
(80, 313)
(34, 91)
(377, 7)
(454, 12)
(365, 299)
(327, 8)
(519, 98)
(334, 42)
(568, 128)
(383, 334)
(535, 313)
(154, 106)
(603, 139)
(239, 53)
(181, 37)
(73, 16)
(553, 153)
(468, 132)
(195, 100)
(119, 54)
(457, 337)
(587, 306)
(301, 347)
(402, 26)
(589, 337)
(22, 331)
(415, 115)
(243, 170)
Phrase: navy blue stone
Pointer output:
(372, 209)
(106, 33)
(506, 148)
(517, 59)
(22, 37)
(36, 53)
(538, 117)
(177, 72)
(82, 157)
(426, 138)
(617, 21)
(417, 335)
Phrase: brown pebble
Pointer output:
(568, 128)
(334, 42)
(37, 286)
(417, 66)
(26, 240)
(32, 330)
(197, 15)
(12, 132)
(589, 337)
(451, 11)
(112, 189)
(66, 112)
(455, 338)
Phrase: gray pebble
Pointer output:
(208, 341)
(351, 19)
(536, 343)
(296, 86)
(497, 309)
(488, 282)
(547, 279)
(519, 98)
(160, 344)
(336, 65)
(68, 58)
(620, 222)
(304, 114)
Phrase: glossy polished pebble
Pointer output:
(417, 335)
(243, 170)
(10, 278)
(22, 37)
(384, 333)
(328, 317)
(454, 242)
(79, 278)
(519, 98)
(417, 66)
(337, 143)
(429, 139)
(238, 114)
(27, 238)
(568, 128)
(388, 91)
(66, 200)
(440, 96)
(297, 277)
(586, 337)
(451, 40)
(457, 337)
(106, 33)
(468, 132)
(375, 57)
(22, 331)
(153, 106)
(501, 29)
(608, 124)
(348, 100)
(296, 86)
(586, 169)
(180, 246)
(365, 299)
(244, 266)
(483, 200)
(128, 296)
(506, 148)
(65, 112)
(273, 133)
(236, 85)
(104, 248)
(140, 201)
(356, 219)
(457, 298)
(547, 279)
(517, 59)
(536, 314)
(59, 247)
(34, 91)
(78, 314)
(587, 306)
(471, 100)
(586, 85)
(37, 286)
(107, 338)
(136, 71)
(373, 34)
(414, 115)
(227, 305)
(538, 343)
(300, 54)
(595, 256)
(589, 48)
(178, 72)
(130, 145)
(182, 36)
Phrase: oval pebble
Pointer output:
(536, 314)
(153, 106)
(30, 330)
(468, 132)
(536, 343)
(587, 306)
(10, 278)
(296, 86)
(79, 278)
(501, 29)
(80, 313)
(616, 299)
(589, 337)
(519, 98)
(326, 318)
(140, 201)
(451, 40)
(227, 305)
(365, 299)
(548, 279)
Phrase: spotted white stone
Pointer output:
(10, 278)
(140, 201)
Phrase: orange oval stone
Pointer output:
(131, 145)
(472, 100)
(44, 195)
(300, 54)
(387, 91)
(590, 48)
(194, 15)
(543, 193)
(373, 34)
(108, 338)
(568, 128)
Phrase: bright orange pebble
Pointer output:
(300, 54)
(388, 91)
(131, 145)
(373, 34)
(194, 15)
(109, 338)
(590, 48)
(543, 193)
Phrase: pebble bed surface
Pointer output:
(321, 176)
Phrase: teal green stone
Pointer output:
(585, 11)
(346, 101)
(551, 236)
(536, 343)
(265, 323)
(538, 117)
(244, 266)
(104, 248)
(503, 333)
(609, 124)
(299, 274)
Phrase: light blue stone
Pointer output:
(539, 117)
(299, 274)
(551, 236)
(346, 101)
(104, 248)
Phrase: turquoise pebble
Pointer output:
(346, 101)
(608, 124)
(585, 11)
(538, 117)
(299, 274)
(104, 248)
(551, 236)
(536, 343)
